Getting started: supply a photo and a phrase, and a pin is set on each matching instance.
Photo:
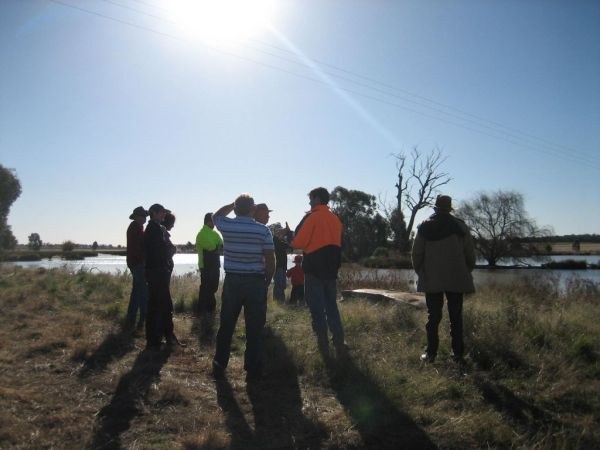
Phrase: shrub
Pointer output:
(381, 251)
(68, 246)
(569, 264)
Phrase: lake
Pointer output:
(186, 263)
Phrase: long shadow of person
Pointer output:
(242, 435)
(204, 328)
(276, 405)
(277, 402)
(116, 417)
(378, 420)
(114, 346)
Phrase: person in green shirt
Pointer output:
(208, 246)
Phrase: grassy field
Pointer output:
(70, 377)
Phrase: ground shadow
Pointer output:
(276, 405)
(378, 420)
(277, 402)
(114, 346)
(204, 328)
(242, 435)
(522, 411)
(115, 418)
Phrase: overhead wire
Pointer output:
(511, 130)
(584, 160)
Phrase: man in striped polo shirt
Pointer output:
(249, 263)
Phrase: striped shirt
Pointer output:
(244, 241)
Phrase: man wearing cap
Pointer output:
(261, 215)
(138, 299)
(319, 236)
(159, 322)
(249, 262)
(208, 245)
(443, 257)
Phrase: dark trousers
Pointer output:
(159, 321)
(435, 303)
(297, 294)
(209, 283)
(249, 292)
(139, 295)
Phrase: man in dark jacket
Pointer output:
(159, 322)
(138, 298)
(443, 257)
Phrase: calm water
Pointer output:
(186, 263)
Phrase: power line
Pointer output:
(478, 120)
(557, 153)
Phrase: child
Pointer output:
(296, 274)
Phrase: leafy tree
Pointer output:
(68, 246)
(95, 245)
(35, 242)
(364, 228)
(419, 179)
(499, 222)
(10, 189)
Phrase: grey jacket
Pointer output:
(443, 255)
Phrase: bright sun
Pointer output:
(220, 19)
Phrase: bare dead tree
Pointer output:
(419, 179)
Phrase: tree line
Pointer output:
(499, 221)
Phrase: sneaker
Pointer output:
(427, 358)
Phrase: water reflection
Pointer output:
(187, 263)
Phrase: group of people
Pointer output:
(250, 263)
(150, 259)
(254, 255)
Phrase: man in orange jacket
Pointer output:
(319, 236)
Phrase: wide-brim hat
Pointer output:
(138, 212)
(443, 203)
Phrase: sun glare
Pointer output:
(221, 20)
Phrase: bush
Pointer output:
(68, 246)
(388, 262)
(569, 264)
(381, 251)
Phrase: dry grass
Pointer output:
(71, 378)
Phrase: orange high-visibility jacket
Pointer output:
(320, 237)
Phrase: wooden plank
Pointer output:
(383, 295)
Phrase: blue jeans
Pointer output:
(320, 295)
(139, 295)
(248, 291)
(279, 285)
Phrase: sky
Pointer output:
(106, 105)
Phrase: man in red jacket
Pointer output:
(135, 261)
